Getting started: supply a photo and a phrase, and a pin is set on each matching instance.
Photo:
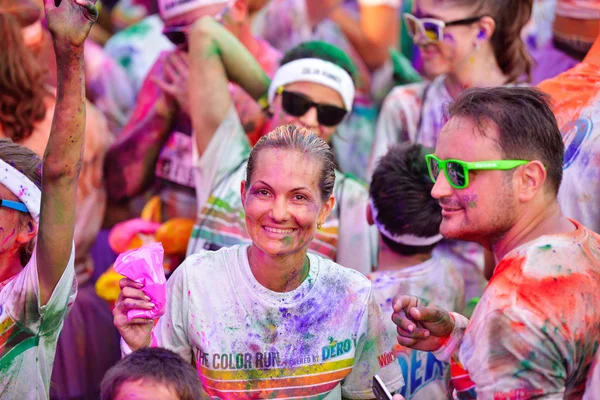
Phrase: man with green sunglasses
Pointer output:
(542, 305)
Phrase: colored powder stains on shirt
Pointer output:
(317, 341)
(536, 327)
(439, 281)
(29, 333)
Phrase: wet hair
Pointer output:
(156, 365)
(22, 79)
(323, 51)
(401, 191)
(291, 137)
(527, 126)
(510, 16)
(29, 164)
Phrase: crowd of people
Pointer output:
(340, 190)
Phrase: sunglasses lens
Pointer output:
(432, 31)
(294, 104)
(411, 26)
(330, 115)
(434, 168)
(457, 174)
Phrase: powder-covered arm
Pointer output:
(69, 24)
(217, 57)
(373, 34)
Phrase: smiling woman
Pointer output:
(268, 319)
(290, 195)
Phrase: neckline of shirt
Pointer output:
(270, 297)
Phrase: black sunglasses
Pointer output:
(296, 105)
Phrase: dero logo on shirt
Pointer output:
(336, 348)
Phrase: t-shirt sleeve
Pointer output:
(171, 330)
(358, 242)
(226, 151)
(20, 297)
(372, 346)
(515, 356)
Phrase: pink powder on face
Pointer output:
(8, 237)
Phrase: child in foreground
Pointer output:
(152, 373)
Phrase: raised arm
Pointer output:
(69, 23)
(372, 35)
(217, 57)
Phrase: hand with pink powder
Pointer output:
(143, 294)
(137, 333)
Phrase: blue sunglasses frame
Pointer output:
(15, 205)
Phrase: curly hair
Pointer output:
(22, 79)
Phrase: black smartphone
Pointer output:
(379, 389)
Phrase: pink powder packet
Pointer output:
(145, 266)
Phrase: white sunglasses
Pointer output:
(430, 28)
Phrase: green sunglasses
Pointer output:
(457, 171)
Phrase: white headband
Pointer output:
(174, 8)
(317, 71)
(27, 192)
(407, 240)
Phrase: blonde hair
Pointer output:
(291, 137)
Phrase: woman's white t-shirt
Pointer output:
(323, 340)
(29, 331)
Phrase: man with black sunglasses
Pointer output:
(497, 168)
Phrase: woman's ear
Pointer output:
(28, 230)
(325, 210)
(243, 190)
(487, 27)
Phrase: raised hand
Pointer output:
(70, 22)
(175, 80)
(420, 326)
(137, 333)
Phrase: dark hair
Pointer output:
(22, 79)
(509, 48)
(528, 128)
(29, 164)
(291, 137)
(323, 51)
(155, 365)
(401, 192)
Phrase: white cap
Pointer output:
(174, 8)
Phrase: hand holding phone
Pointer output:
(381, 392)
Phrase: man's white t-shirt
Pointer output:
(322, 340)
(29, 331)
